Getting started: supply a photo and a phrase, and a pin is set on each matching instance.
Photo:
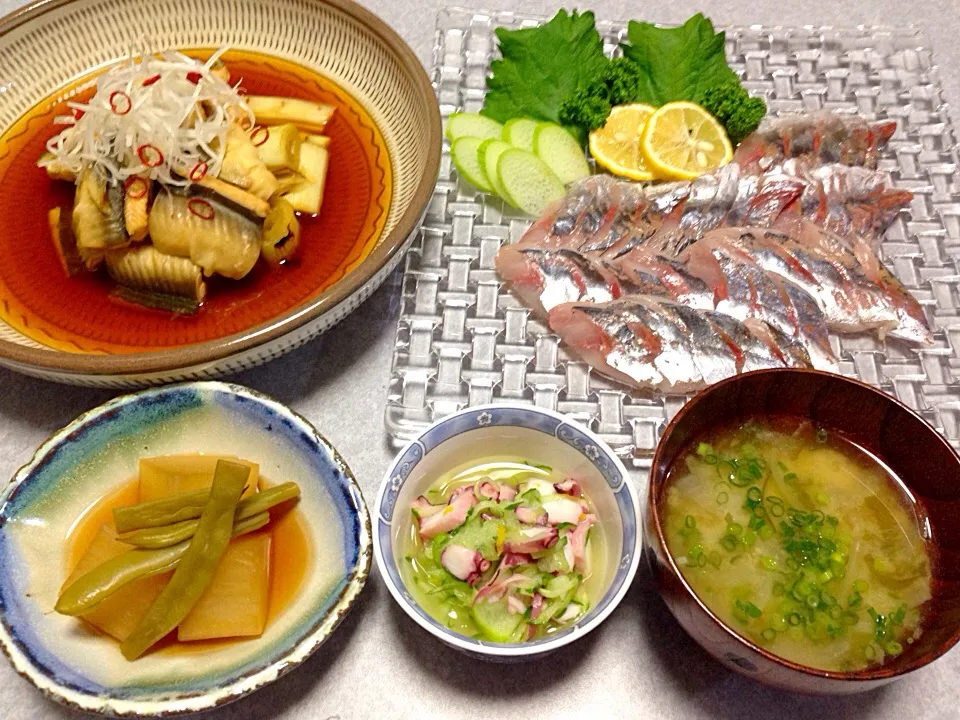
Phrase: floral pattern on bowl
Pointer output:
(556, 430)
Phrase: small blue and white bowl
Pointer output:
(505, 431)
(100, 451)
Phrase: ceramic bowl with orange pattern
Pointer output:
(384, 145)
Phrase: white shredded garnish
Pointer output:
(157, 116)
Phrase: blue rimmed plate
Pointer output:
(99, 451)
(503, 430)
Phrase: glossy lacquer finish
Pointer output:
(916, 453)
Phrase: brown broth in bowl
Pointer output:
(78, 314)
(802, 542)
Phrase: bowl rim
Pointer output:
(655, 527)
(219, 349)
(513, 650)
(309, 640)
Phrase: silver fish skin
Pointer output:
(850, 300)
(544, 279)
(725, 197)
(853, 203)
(651, 343)
(743, 290)
(667, 278)
(814, 139)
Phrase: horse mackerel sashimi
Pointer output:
(721, 281)
(814, 139)
(852, 296)
(607, 218)
(652, 343)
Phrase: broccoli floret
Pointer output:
(588, 108)
(735, 108)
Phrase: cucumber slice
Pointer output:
(560, 151)
(519, 133)
(495, 621)
(472, 125)
(490, 151)
(479, 535)
(464, 154)
(528, 184)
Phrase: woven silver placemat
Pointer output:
(464, 340)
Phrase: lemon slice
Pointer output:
(682, 141)
(616, 146)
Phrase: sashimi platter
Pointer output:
(737, 210)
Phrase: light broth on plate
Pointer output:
(290, 553)
(802, 542)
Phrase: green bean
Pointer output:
(157, 513)
(92, 588)
(198, 564)
(167, 535)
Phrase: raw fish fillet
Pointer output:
(608, 218)
(814, 139)
(853, 296)
(848, 200)
(746, 291)
(543, 279)
(651, 343)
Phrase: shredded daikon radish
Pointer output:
(163, 116)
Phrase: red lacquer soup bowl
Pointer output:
(923, 461)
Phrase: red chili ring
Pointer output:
(150, 80)
(199, 172)
(124, 106)
(205, 211)
(78, 113)
(135, 187)
(142, 154)
(255, 135)
(194, 77)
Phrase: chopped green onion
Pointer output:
(754, 494)
(821, 435)
(849, 618)
(704, 449)
(860, 586)
(869, 653)
(722, 498)
(768, 563)
(735, 528)
(769, 634)
(749, 608)
(690, 521)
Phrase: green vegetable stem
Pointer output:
(198, 564)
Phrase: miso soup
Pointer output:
(802, 542)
